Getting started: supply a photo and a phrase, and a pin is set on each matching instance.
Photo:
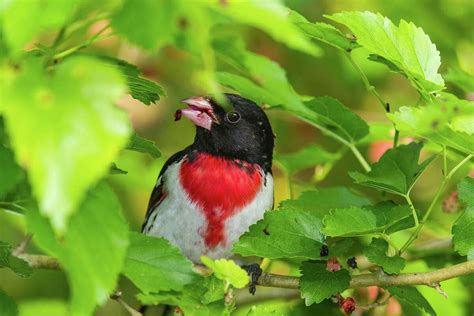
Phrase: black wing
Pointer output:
(158, 194)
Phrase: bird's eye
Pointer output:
(232, 117)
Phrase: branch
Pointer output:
(431, 279)
(381, 279)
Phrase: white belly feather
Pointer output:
(183, 223)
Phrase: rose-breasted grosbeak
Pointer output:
(208, 194)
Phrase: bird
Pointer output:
(209, 194)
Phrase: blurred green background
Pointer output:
(447, 22)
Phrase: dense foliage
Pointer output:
(62, 137)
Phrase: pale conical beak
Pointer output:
(200, 112)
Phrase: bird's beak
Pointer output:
(200, 112)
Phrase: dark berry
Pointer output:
(351, 262)
(333, 265)
(348, 305)
(324, 251)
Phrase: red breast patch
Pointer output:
(220, 187)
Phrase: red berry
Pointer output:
(333, 265)
(348, 305)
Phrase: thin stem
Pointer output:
(445, 163)
(389, 241)
(413, 210)
(305, 117)
(360, 158)
(370, 88)
(459, 165)
(72, 50)
(438, 193)
(290, 186)
(395, 138)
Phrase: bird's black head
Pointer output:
(241, 132)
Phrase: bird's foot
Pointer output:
(254, 271)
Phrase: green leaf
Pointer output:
(270, 17)
(323, 32)
(396, 171)
(157, 21)
(283, 233)
(80, 87)
(376, 252)
(202, 297)
(154, 265)
(407, 46)
(448, 121)
(95, 245)
(142, 89)
(23, 19)
(411, 296)
(45, 307)
(385, 217)
(7, 305)
(270, 86)
(228, 271)
(143, 145)
(17, 265)
(333, 116)
(11, 172)
(309, 156)
(322, 201)
(317, 283)
(463, 228)
(460, 78)
(116, 170)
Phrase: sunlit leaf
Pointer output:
(448, 121)
(406, 46)
(269, 16)
(317, 283)
(65, 155)
(227, 270)
(154, 265)
(397, 170)
(23, 19)
(95, 245)
(376, 252)
(323, 32)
